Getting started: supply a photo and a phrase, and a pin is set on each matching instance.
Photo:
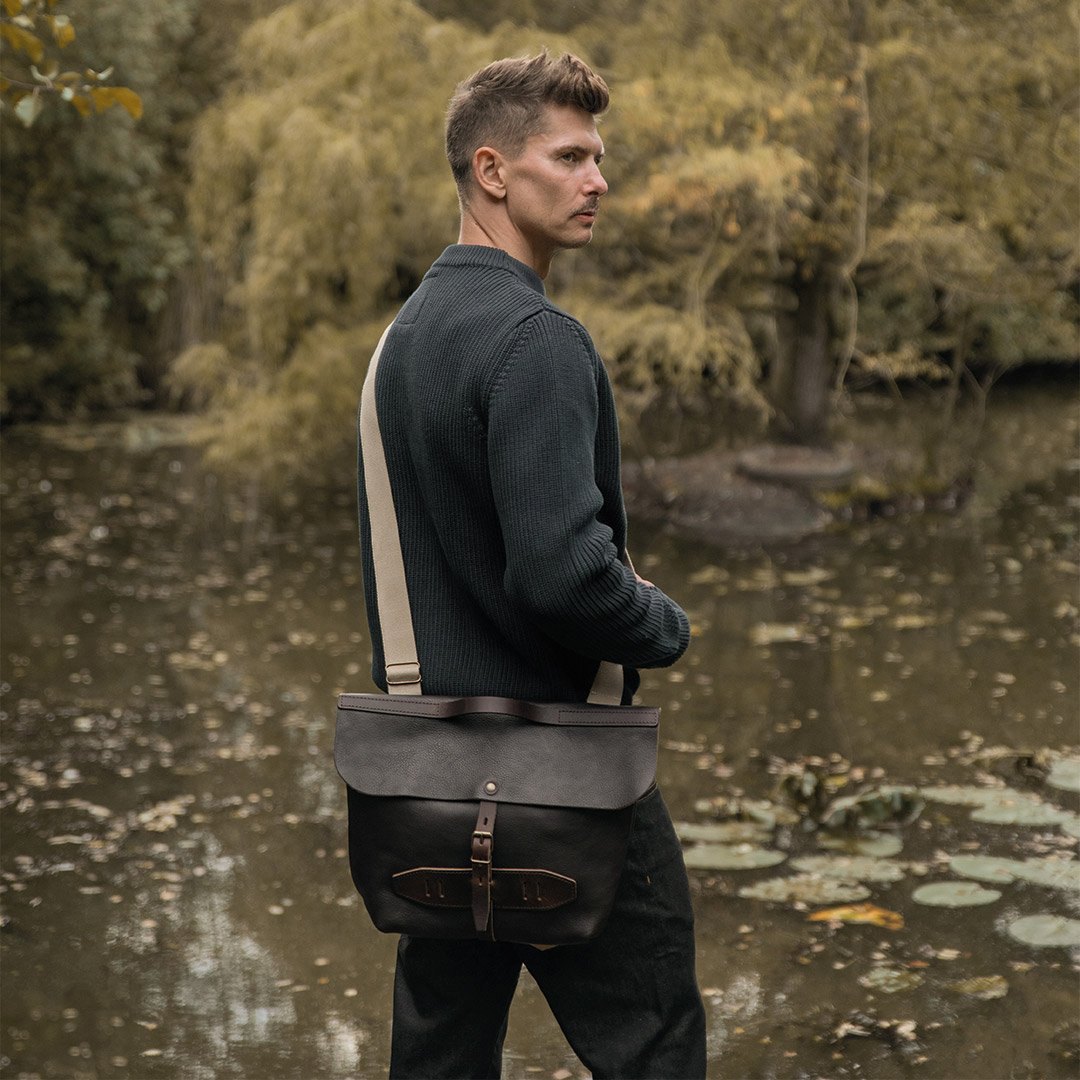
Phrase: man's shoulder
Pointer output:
(552, 325)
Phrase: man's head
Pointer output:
(505, 103)
(522, 142)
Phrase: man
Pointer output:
(503, 452)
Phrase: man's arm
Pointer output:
(562, 567)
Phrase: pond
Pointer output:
(175, 890)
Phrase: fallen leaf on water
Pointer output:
(984, 987)
(890, 980)
(773, 633)
(860, 913)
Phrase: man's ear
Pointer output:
(488, 172)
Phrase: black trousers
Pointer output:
(627, 1001)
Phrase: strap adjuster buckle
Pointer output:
(406, 674)
(481, 846)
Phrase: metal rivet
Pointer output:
(491, 787)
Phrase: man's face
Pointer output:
(553, 188)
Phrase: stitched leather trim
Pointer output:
(537, 712)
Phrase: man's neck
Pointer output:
(492, 233)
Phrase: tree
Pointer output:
(91, 233)
(803, 186)
(321, 195)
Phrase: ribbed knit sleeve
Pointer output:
(562, 567)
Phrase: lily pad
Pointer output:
(877, 845)
(722, 832)
(808, 888)
(850, 867)
(1016, 809)
(984, 987)
(954, 894)
(963, 794)
(731, 857)
(1054, 873)
(1070, 823)
(1046, 930)
(759, 812)
(985, 868)
(890, 980)
(1065, 774)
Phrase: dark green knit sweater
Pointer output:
(502, 446)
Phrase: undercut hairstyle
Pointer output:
(502, 106)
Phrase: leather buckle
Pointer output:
(478, 847)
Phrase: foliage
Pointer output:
(799, 193)
(320, 191)
(21, 23)
(921, 165)
(90, 222)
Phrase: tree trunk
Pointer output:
(803, 376)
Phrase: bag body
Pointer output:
(491, 817)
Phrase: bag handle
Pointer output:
(391, 590)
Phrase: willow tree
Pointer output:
(321, 194)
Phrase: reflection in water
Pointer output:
(174, 872)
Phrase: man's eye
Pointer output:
(568, 156)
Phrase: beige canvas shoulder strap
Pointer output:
(391, 590)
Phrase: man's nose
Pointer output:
(595, 184)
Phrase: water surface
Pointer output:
(175, 887)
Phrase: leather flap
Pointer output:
(495, 757)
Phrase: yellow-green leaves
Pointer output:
(25, 94)
(105, 97)
(63, 31)
(21, 40)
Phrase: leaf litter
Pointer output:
(887, 979)
(983, 987)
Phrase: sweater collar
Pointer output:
(495, 258)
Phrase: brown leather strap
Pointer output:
(483, 844)
(511, 889)
(445, 708)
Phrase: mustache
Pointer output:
(589, 208)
